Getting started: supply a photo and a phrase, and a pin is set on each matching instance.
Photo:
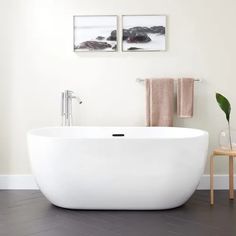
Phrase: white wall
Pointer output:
(37, 63)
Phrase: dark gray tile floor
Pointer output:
(26, 213)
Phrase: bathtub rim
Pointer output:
(199, 133)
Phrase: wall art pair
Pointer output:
(101, 33)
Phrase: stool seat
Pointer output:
(224, 153)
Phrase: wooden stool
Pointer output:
(231, 155)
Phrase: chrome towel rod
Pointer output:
(143, 80)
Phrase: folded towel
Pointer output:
(159, 102)
(185, 94)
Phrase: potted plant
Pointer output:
(224, 104)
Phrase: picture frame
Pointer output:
(144, 33)
(95, 33)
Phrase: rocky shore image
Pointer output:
(144, 33)
(95, 33)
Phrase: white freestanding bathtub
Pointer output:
(117, 167)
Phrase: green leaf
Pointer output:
(224, 105)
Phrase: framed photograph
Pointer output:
(95, 33)
(144, 33)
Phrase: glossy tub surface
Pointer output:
(89, 168)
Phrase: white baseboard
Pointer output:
(17, 182)
(221, 182)
(28, 182)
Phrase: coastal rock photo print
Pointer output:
(144, 33)
(95, 33)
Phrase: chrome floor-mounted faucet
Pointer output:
(66, 107)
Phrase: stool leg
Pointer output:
(212, 178)
(231, 177)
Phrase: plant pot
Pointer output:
(224, 138)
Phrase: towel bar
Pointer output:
(143, 80)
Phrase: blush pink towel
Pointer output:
(159, 102)
(185, 95)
